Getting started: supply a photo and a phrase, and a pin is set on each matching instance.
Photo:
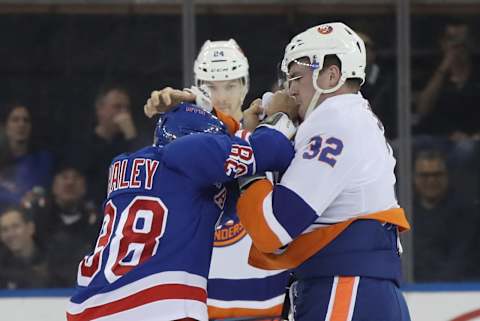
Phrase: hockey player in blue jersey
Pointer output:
(152, 256)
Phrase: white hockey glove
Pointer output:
(281, 123)
(202, 95)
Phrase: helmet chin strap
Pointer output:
(319, 91)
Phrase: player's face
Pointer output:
(227, 95)
(300, 83)
(431, 179)
(18, 126)
(15, 232)
(300, 86)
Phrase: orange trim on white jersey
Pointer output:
(267, 236)
(250, 209)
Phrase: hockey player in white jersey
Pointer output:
(333, 219)
(235, 288)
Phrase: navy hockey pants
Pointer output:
(347, 299)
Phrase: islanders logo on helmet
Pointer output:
(186, 119)
(325, 29)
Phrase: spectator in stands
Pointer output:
(379, 89)
(66, 223)
(440, 217)
(448, 103)
(114, 133)
(22, 165)
(23, 264)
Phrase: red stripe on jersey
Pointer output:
(156, 293)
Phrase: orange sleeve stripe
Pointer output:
(232, 125)
(343, 299)
(250, 212)
(223, 313)
(306, 245)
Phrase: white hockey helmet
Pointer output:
(317, 42)
(221, 60)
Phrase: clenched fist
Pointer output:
(161, 101)
(251, 115)
(282, 102)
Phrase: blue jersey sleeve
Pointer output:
(273, 151)
(207, 158)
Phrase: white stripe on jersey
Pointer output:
(165, 310)
(177, 277)
(332, 298)
(247, 304)
(272, 222)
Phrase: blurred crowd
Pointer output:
(51, 202)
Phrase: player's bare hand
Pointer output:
(251, 115)
(161, 101)
(283, 102)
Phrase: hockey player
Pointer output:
(152, 256)
(333, 219)
(222, 67)
(235, 288)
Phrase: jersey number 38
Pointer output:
(135, 239)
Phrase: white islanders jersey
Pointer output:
(343, 166)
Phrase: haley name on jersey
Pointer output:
(343, 170)
(152, 256)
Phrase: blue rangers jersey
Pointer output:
(152, 256)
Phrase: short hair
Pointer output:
(105, 89)
(23, 213)
(333, 60)
(431, 154)
(9, 107)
